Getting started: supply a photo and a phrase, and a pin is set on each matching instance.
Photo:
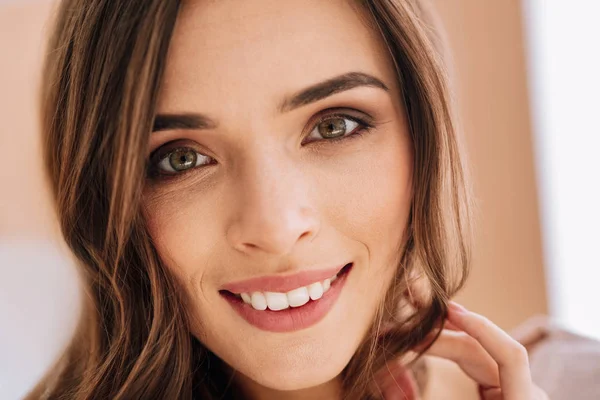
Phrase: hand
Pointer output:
(498, 363)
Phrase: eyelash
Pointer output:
(364, 126)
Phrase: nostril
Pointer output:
(306, 234)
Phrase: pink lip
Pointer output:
(280, 283)
(293, 318)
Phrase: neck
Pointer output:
(331, 390)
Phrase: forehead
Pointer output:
(261, 49)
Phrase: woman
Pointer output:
(266, 199)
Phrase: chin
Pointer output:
(300, 360)
(294, 361)
(299, 368)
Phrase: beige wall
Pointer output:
(24, 208)
(486, 39)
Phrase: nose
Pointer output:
(272, 209)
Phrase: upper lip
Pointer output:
(281, 283)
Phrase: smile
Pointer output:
(287, 309)
(294, 298)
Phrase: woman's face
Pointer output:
(281, 154)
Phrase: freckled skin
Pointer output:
(271, 204)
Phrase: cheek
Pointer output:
(183, 232)
(371, 196)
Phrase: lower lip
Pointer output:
(293, 318)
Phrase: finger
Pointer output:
(469, 355)
(449, 325)
(491, 394)
(431, 336)
(496, 394)
(510, 355)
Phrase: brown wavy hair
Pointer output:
(101, 80)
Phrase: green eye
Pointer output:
(182, 159)
(334, 127)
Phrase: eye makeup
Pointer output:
(160, 167)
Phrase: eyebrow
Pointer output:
(311, 94)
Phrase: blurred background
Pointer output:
(527, 88)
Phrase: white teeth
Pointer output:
(294, 298)
(326, 285)
(246, 297)
(259, 302)
(276, 301)
(298, 297)
(315, 291)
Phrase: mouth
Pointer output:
(295, 309)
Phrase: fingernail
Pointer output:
(456, 307)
